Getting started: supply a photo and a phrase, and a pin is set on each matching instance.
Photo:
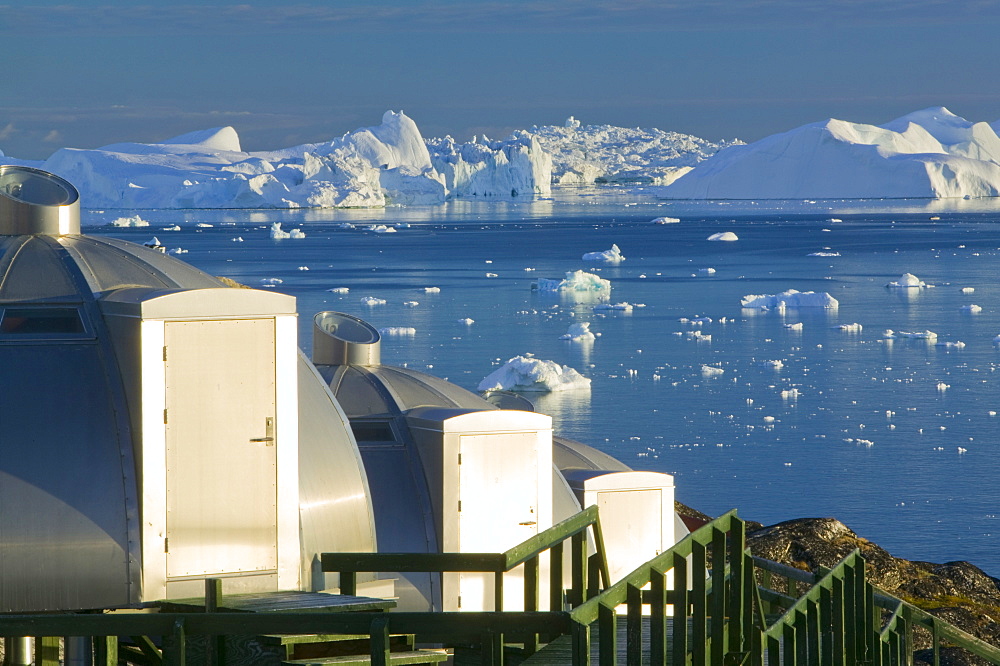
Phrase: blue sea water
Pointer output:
(898, 439)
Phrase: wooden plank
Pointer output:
(273, 602)
(393, 658)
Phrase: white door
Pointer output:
(220, 447)
(632, 523)
(498, 509)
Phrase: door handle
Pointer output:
(268, 432)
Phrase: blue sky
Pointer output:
(85, 74)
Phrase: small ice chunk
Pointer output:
(173, 228)
(467, 321)
(579, 332)
(576, 281)
(957, 344)
(303, 268)
(835, 219)
(774, 365)
(154, 244)
(177, 250)
(411, 304)
(792, 299)
(850, 328)
(204, 225)
(908, 281)
(666, 220)
(612, 256)
(339, 290)
(346, 225)
(381, 229)
(723, 236)
(372, 300)
(971, 309)
(706, 271)
(790, 394)
(623, 307)
(398, 331)
(523, 373)
(968, 290)
(238, 239)
(711, 371)
(492, 275)
(917, 335)
(271, 281)
(797, 326)
(134, 221)
(823, 254)
(432, 290)
(942, 387)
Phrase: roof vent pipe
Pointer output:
(340, 339)
(33, 201)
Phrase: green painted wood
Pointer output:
(394, 659)
(699, 605)
(47, 651)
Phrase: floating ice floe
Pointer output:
(908, 281)
(957, 344)
(492, 275)
(850, 328)
(695, 321)
(271, 281)
(467, 321)
(173, 228)
(666, 220)
(774, 365)
(790, 394)
(177, 250)
(238, 239)
(723, 236)
(380, 229)
(278, 234)
(155, 244)
(971, 309)
(523, 373)
(823, 254)
(303, 268)
(576, 281)
(346, 225)
(622, 307)
(698, 335)
(711, 371)
(797, 326)
(791, 299)
(398, 331)
(942, 387)
(913, 335)
(968, 290)
(411, 304)
(372, 300)
(612, 256)
(579, 332)
(203, 225)
(432, 290)
(339, 290)
(706, 271)
(134, 221)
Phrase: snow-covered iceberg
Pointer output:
(929, 153)
(583, 154)
(579, 332)
(515, 166)
(368, 167)
(523, 373)
(791, 299)
(907, 281)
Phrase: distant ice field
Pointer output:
(810, 415)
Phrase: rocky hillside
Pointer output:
(958, 592)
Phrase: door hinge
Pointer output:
(166, 545)
(460, 505)
(164, 352)
(164, 416)
(460, 601)
(459, 458)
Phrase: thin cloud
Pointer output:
(532, 16)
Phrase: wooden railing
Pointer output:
(704, 601)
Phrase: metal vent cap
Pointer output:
(341, 339)
(33, 201)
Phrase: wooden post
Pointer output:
(215, 654)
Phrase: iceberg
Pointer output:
(612, 256)
(134, 221)
(585, 154)
(791, 299)
(579, 332)
(277, 233)
(515, 166)
(723, 236)
(907, 281)
(931, 153)
(523, 373)
(576, 281)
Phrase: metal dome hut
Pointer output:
(450, 471)
(158, 427)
